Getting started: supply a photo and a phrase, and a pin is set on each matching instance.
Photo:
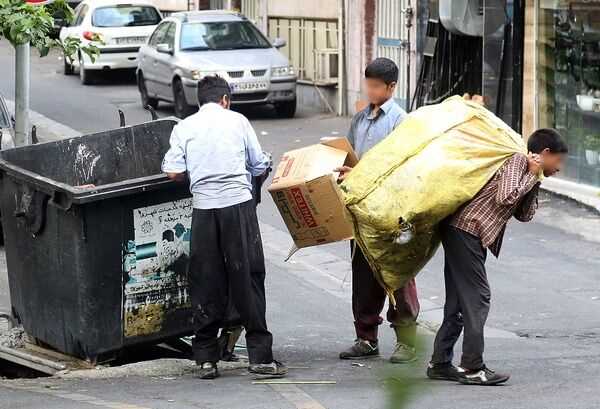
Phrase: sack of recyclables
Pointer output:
(436, 160)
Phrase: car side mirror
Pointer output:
(13, 121)
(279, 42)
(164, 48)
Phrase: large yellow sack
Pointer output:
(431, 164)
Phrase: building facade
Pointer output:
(562, 72)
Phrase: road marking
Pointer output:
(297, 397)
(74, 397)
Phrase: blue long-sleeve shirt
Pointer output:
(220, 151)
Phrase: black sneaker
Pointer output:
(274, 369)
(208, 370)
(444, 372)
(361, 349)
(483, 376)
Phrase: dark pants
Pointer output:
(227, 263)
(368, 300)
(467, 298)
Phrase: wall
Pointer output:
(171, 5)
(360, 42)
(306, 8)
(529, 87)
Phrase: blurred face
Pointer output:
(552, 163)
(378, 91)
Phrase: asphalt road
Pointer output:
(544, 326)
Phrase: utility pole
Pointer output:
(22, 87)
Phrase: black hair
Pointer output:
(212, 88)
(383, 69)
(546, 138)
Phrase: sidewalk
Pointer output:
(584, 194)
(47, 129)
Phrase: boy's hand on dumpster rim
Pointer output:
(343, 172)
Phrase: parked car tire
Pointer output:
(68, 68)
(182, 108)
(286, 109)
(146, 100)
(85, 75)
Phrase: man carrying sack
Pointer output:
(466, 235)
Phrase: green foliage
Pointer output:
(22, 23)
(404, 382)
(592, 142)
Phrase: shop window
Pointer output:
(568, 79)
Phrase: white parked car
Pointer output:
(122, 27)
(190, 45)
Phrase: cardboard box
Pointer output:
(307, 195)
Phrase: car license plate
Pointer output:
(130, 40)
(248, 86)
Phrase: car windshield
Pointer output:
(125, 16)
(229, 35)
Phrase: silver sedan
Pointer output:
(188, 46)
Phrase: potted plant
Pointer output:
(591, 145)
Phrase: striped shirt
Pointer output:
(511, 192)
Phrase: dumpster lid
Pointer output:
(94, 167)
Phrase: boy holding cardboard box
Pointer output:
(368, 128)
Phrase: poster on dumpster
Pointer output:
(155, 265)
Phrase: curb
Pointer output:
(586, 195)
(48, 129)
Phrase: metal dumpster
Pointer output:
(93, 269)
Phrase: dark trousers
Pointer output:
(467, 298)
(368, 300)
(227, 263)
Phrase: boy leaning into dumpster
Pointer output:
(476, 227)
(219, 151)
(369, 127)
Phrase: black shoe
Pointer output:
(444, 372)
(274, 369)
(361, 349)
(483, 376)
(208, 370)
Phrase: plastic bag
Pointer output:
(436, 160)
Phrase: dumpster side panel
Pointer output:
(156, 301)
(100, 277)
(44, 294)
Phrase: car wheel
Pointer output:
(182, 109)
(85, 75)
(68, 68)
(286, 109)
(146, 100)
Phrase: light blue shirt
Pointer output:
(367, 129)
(220, 151)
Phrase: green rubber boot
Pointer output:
(405, 351)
